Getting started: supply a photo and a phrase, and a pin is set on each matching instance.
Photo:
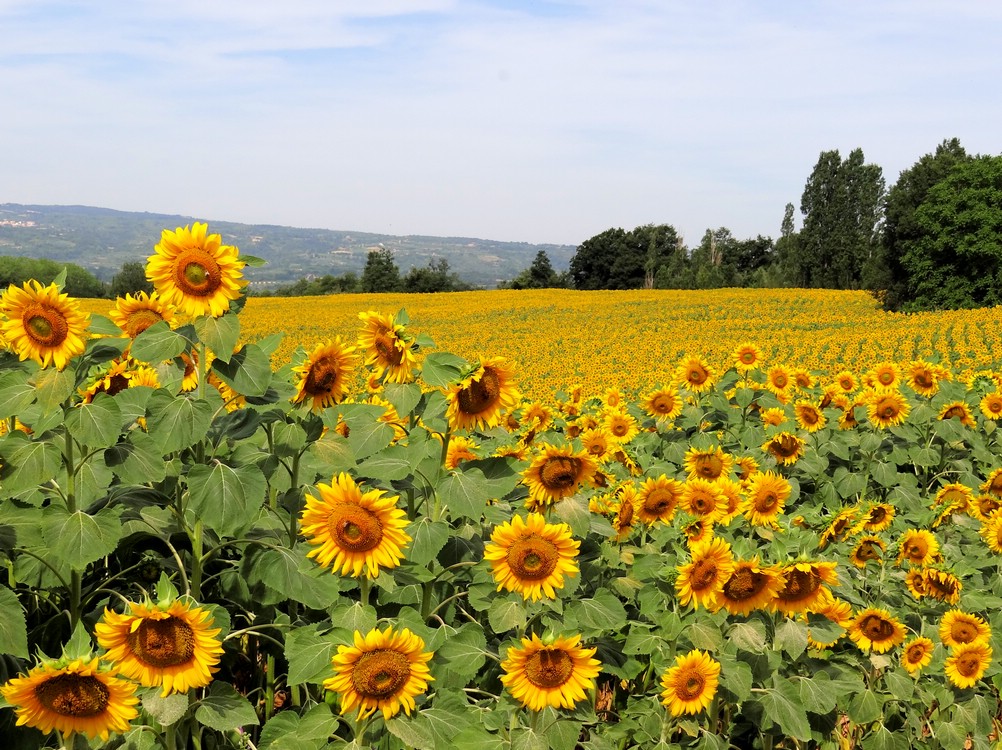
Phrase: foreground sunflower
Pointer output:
(967, 664)
(195, 271)
(354, 531)
(460, 449)
(746, 357)
(621, 425)
(767, 494)
(556, 473)
(43, 324)
(479, 400)
(135, 314)
(701, 580)
(172, 646)
(690, 684)
(917, 653)
(532, 556)
(923, 378)
(322, 376)
(868, 549)
(707, 463)
(553, 674)
(805, 585)
(751, 586)
(886, 408)
(785, 447)
(381, 671)
(663, 403)
(658, 499)
(959, 628)
(876, 630)
(388, 349)
(78, 697)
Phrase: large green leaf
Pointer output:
(602, 612)
(403, 396)
(28, 463)
(428, 538)
(309, 655)
(137, 459)
(225, 498)
(166, 710)
(441, 368)
(782, 705)
(177, 422)
(224, 709)
(219, 334)
(158, 343)
(97, 424)
(16, 394)
(464, 652)
(465, 494)
(248, 371)
(53, 387)
(507, 614)
(13, 631)
(368, 437)
(287, 731)
(81, 538)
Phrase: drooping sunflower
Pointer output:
(621, 425)
(915, 583)
(959, 628)
(480, 400)
(352, 531)
(598, 443)
(883, 375)
(917, 653)
(809, 416)
(785, 447)
(382, 670)
(751, 586)
(703, 499)
(967, 664)
(804, 586)
(663, 403)
(993, 483)
(736, 504)
(941, 585)
(923, 378)
(984, 507)
(43, 324)
(886, 408)
(557, 673)
(195, 271)
(960, 411)
(460, 449)
(839, 526)
(954, 495)
(171, 646)
(690, 684)
(322, 376)
(848, 419)
(746, 357)
(991, 406)
(702, 578)
(658, 499)
(532, 556)
(626, 515)
(707, 463)
(78, 697)
(695, 374)
(876, 630)
(767, 494)
(557, 472)
(189, 378)
(802, 378)
(875, 518)
(991, 532)
(918, 547)
(868, 549)
(387, 347)
(113, 378)
(135, 314)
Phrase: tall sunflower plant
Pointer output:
(383, 545)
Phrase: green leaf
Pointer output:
(865, 707)
(386, 466)
(309, 655)
(479, 738)
(248, 372)
(13, 630)
(899, 685)
(574, 512)
(440, 369)
(137, 459)
(882, 738)
(28, 463)
(293, 575)
(411, 733)
(16, 394)
(782, 706)
(369, 437)
(748, 636)
(97, 424)
(226, 499)
(506, 614)
(177, 422)
(640, 640)
(704, 634)
(428, 539)
(465, 494)
(354, 617)
(464, 652)
(224, 709)
(287, 731)
(736, 676)
(528, 739)
(158, 343)
(403, 396)
(334, 452)
(817, 694)
(791, 637)
(53, 388)
(80, 538)
(167, 710)
(603, 612)
(219, 334)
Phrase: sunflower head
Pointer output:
(967, 664)
(387, 347)
(557, 472)
(868, 549)
(695, 374)
(959, 628)
(707, 463)
(658, 499)
(663, 403)
(923, 378)
(323, 376)
(960, 411)
(43, 324)
(785, 447)
(556, 673)
(876, 630)
(918, 547)
(809, 416)
(531, 557)
(701, 580)
(479, 400)
(886, 407)
(767, 493)
(746, 357)
(751, 586)
(690, 684)
(883, 375)
(917, 653)
(135, 314)
(991, 406)
(805, 586)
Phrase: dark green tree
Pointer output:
(435, 277)
(617, 259)
(785, 261)
(539, 275)
(79, 281)
(130, 280)
(381, 273)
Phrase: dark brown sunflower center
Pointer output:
(709, 467)
(868, 551)
(916, 550)
(663, 403)
(560, 472)
(597, 447)
(968, 664)
(197, 273)
(659, 502)
(481, 394)
(322, 377)
(876, 628)
(532, 558)
(887, 409)
(940, 589)
(877, 515)
(354, 528)
(386, 347)
(44, 325)
(780, 380)
(690, 684)
(163, 643)
(995, 487)
(923, 379)
(116, 384)
(955, 411)
(696, 375)
(703, 504)
(800, 584)
(704, 574)
(810, 416)
(766, 501)
(846, 384)
(620, 427)
(140, 320)
(625, 517)
(744, 584)
(989, 505)
(963, 632)
(784, 446)
(73, 695)
(549, 668)
(995, 405)
(886, 377)
(380, 674)
(915, 653)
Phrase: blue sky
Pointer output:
(544, 121)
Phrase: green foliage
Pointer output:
(78, 281)
(130, 280)
(381, 273)
(435, 277)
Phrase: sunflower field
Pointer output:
(523, 520)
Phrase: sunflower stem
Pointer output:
(170, 737)
(364, 585)
(71, 507)
(196, 560)
(269, 688)
(200, 387)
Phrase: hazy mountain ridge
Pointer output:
(102, 239)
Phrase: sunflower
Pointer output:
(941, 585)
(779, 382)
(531, 556)
(876, 518)
(915, 582)
(918, 547)
(698, 530)
(113, 379)
(802, 378)
(953, 495)
(352, 531)
(809, 417)
(883, 375)
(701, 580)
(736, 504)
(958, 628)
(984, 506)
(135, 314)
(621, 425)
(695, 375)
(381, 671)
(73, 698)
(848, 420)
(836, 610)
(189, 378)
(845, 381)
(785, 447)
(991, 532)
(479, 400)
(707, 463)
(746, 466)
(626, 512)
(804, 586)
(703, 499)
(746, 357)
(460, 449)
(960, 411)
(658, 499)
(991, 406)
(553, 674)
(231, 399)
(967, 664)
(43, 324)
(916, 654)
(195, 271)
(773, 416)
(613, 398)
(751, 586)
(172, 646)
(691, 683)
(922, 378)
(556, 473)
(537, 415)
(598, 443)
(387, 347)
(993, 483)
(886, 408)
(144, 376)
(868, 549)
(767, 495)
(876, 630)
(663, 403)
(322, 376)
(839, 526)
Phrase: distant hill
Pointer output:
(101, 240)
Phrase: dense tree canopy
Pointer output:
(79, 281)
(617, 259)
(539, 275)
(130, 280)
(381, 273)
